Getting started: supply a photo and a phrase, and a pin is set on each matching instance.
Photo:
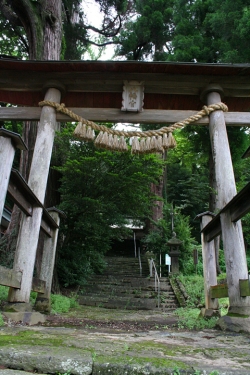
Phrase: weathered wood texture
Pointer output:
(244, 287)
(22, 195)
(38, 285)
(160, 116)
(209, 266)
(232, 235)
(219, 291)
(48, 258)
(238, 207)
(7, 152)
(10, 278)
(30, 226)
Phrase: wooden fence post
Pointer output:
(30, 226)
(9, 141)
(48, 260)
(232, 236)
(209, 268)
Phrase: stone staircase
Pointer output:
(121, 286)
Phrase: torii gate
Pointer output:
(169, 92)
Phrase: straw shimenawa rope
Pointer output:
(142, 142)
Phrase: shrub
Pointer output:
(61, 304)
(3, 293)
(194, 285)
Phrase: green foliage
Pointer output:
(61, 304)
(189, 319)
(148, 33)
(194, 285)
(33, 296)
(99, 190)
(3, 293)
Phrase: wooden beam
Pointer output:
(46, 228)
(212, 229)
(116, 115)
(244, 287)
(25, 199)
(238, 207)
(219, 291)
(19, 199)
(10, 278)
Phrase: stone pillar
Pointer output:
(48, 260)
(174, 254)
(30, 226)
(232, 236)
(9, 141)
(209, 269)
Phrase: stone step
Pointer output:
(134, 287)
(126, 303)
(121, 286)
(118, 302)
(128, 294)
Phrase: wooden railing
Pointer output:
(21, 194)
(238, 207)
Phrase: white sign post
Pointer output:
(168, 261)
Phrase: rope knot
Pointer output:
(59, 107)
(206, 110)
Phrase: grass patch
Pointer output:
(30, 338)
(59, 304)
(189, 319)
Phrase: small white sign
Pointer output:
(167, 260)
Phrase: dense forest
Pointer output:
(98, 189)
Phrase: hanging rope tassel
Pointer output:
(98, 139)
(110, 145)
(159, 147)
(90, 134)
(80, 130)
(135, 146)
(104, 141)
(147, 145)
(165, 142)
(172, 141)
(122, 144)
(152, 144)
(142, 145)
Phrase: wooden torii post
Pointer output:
(209, 269)
(27, 241)
(232, 235)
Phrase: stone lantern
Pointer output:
(174, 252)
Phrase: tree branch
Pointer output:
(9, 14)
(104, 31)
